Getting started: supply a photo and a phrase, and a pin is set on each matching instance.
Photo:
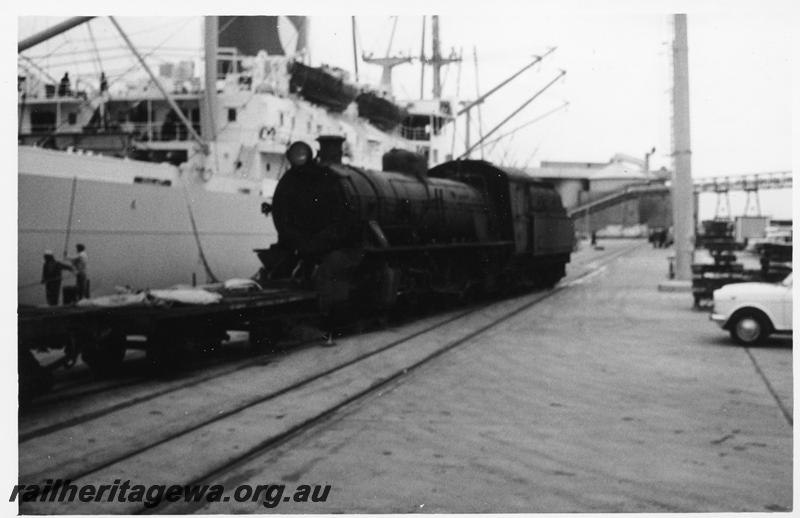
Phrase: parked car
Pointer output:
(751, 311)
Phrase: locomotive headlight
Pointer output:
(299, 153)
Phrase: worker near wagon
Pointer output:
(80, 263)
(51, 277)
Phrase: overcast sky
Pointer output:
(618, 63)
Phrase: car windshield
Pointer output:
(787, 281)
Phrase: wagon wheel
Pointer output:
(264, 336)
(103, 349)
(165, 350)
(33, 378)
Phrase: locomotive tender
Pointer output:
(363, 238)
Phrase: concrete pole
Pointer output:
(682, 190)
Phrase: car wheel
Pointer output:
(748, 328)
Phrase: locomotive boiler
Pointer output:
(363, 238)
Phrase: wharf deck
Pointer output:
(604, 395)
(610, 397)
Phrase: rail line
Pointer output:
(254, 361)
(403, 372)
(320, 416)
(257, 360)
(105, 387)
(85, 384)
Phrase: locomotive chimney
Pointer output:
(330, 149)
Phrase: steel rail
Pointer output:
(271, 442)
(403, 372)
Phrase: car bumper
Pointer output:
(719, 318)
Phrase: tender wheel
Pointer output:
(749, 328)
(551, 277)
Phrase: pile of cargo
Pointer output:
(718, 238)
(776, 261)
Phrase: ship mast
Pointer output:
(355, 47)
(422, 62)
(211, 37)
(437, 61)
(388, 62)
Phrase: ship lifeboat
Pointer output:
(380, 110)
(325, 86)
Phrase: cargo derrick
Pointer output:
(361, 238)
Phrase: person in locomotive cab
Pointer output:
(80, 263)
(51, 277)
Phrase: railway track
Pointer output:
(258, 409)
(59, 411)
(138, 371)
(83, 397)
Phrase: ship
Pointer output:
(380, 109)
(163, 179)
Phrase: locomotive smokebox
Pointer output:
(331, 149)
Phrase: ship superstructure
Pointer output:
(163, 177)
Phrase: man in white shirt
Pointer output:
(80, 262)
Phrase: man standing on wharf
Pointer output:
(51, 277)
(80, 263)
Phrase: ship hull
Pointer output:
(137, 235)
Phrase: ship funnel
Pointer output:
(278, 35)
(331, 149)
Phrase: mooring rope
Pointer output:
(69, 217)
(209, 273)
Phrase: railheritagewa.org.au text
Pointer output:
(152, 495)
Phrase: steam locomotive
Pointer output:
(363, 238)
